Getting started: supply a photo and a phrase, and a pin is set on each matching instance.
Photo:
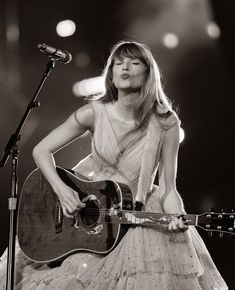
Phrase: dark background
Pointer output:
(197, 75)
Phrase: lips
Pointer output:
(125, 76)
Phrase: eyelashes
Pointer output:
(132, 62)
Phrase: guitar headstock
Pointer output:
(222, 222)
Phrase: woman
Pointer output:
(134, 132)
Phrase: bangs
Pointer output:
(132, 51)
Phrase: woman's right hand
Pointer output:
(69, 199)
(76, 125)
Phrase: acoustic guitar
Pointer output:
(45, 235)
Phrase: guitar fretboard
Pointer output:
(142, 218)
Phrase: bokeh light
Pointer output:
(82, 60)
(12, 33)
(89, 87)
(170, 40)
(213, 30)
(66, 28)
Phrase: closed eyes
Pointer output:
(135, 62)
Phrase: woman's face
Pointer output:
(128, 73)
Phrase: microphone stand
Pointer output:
(12, 149)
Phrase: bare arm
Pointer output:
(171, 200)
(77, 124)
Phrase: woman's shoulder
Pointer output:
(84, 116)
(96, 105)
(91, 112)
(168, 119)
(91, 108)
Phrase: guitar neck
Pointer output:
(145, 218)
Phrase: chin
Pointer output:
(124, 88)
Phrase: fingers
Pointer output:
(77, 200)
(173, 224)
(65, 212)
(177, 224)
(70, 202)
(182, 224)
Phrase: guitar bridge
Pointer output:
(58, 217)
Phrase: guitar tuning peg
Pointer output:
(221, 235)
(210, 234)
(211, 210)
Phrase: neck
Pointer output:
(125, 104)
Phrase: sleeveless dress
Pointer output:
(146, 258)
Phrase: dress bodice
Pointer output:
(113, 156)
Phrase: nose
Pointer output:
(125, 65)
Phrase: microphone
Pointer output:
(61, 55)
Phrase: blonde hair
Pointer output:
(152, 96)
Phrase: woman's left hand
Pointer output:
(177, 224)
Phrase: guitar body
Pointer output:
(46, 235)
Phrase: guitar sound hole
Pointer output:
(90, 214)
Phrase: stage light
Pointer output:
(213, 30)
(82, 59)
(182, 135)
(170, 40)
(76, 89)
(89, 87)
(66, 28)
(12, 33)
